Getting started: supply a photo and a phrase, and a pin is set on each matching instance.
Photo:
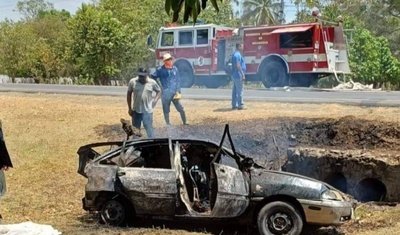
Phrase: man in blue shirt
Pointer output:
(238, 71)
(168, 75)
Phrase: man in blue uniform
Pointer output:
(168, 75)
(238, 72)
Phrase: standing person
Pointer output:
(142, 88)
(238, 71)
(171, 87)
(5, 162)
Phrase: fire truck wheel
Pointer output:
(273, 74)
(186, 74)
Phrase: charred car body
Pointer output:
(197, 179)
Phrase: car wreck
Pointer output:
(201, 180)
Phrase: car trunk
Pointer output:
(87, 153)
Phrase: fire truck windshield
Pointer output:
(167, 39)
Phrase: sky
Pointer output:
(7, 8)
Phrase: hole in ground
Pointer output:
(337, 180)
(370, 189)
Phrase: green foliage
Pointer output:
(33, 8)
(225, 16)
(260, 12)
(17, 50)
(372, 62)
(98, 40)
(190, 8)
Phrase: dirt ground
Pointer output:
(44, 131)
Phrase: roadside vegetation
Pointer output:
(106, 40)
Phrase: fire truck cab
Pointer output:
(283, 55)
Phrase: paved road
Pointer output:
(295, 95)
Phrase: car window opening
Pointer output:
(154, 156)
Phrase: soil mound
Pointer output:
(267, 140)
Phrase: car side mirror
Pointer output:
(149, 40)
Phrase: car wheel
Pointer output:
(273, 74)
(113, 213)
(279, 218)
(185, 73)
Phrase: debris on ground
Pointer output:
(356, 86)
(27, 228)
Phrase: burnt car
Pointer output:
(201, 180)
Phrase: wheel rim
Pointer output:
(273, 76)
(113, 213)
(280, 223)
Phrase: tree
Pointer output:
(372, 62)
(192, 8)
(97, 42)
(32, 8)
(16, 49)
(261, 12)
(139, 22)
(226, 15)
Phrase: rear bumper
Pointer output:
(86, 205)
(89, 202)
(327, 212)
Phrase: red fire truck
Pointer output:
(282, 55)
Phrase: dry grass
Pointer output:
(43, 133)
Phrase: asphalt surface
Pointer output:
(290, 95)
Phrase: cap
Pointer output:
(142, 71)
(167, 56)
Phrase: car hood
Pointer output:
(266, 183)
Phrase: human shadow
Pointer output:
(224, 110)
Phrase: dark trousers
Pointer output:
(167, 98)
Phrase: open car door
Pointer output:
(180, 179)
(229, 187)
(231, 192)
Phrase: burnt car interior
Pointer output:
(192, 160)
(195, 166)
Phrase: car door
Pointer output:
(152, 190)
(230, 189)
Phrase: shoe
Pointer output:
(233, 108)
(241, 108)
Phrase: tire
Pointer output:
(273, 74)
(185, 73)
(116, 213)
(279, 218)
